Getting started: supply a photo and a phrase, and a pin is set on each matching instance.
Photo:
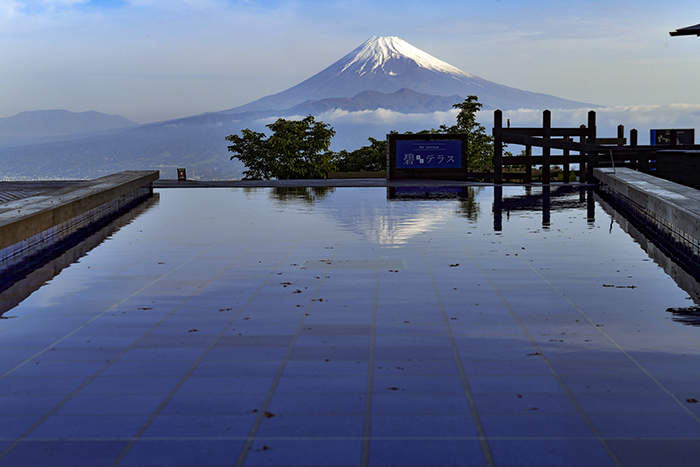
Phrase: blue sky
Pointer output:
(151, 60)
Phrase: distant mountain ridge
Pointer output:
(61, 122)
(40, 126)
(383, 73)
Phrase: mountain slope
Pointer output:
(403, 100)
(61, 122)
(388, 64)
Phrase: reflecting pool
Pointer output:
(356, 326)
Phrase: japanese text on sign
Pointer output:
(446, 154)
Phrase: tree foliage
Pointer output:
(479, 143)
(370, 158)
(300, 149)
(296, 149)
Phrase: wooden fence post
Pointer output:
(592, 157)
(546, 151)
(566, 167)
(497, 146)
(582, 162)
(621, 137)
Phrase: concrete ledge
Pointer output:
(30, 225)
(672, 210)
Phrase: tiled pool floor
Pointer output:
(262, 327)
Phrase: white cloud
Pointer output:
(175, 5)
(353, 128)
(9, 9)
(640, 117)
(53, 3)
(384, 116)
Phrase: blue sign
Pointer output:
(440, 154)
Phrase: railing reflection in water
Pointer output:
(545, 199)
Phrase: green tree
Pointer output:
(296, 149)
(480, 144)
(370, 158)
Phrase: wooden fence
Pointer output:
(582, 146)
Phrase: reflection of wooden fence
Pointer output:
(582, 146)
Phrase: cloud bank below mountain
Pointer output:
(640, 117)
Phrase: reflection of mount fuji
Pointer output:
(358, 210)
(384, 73)
(415, 210)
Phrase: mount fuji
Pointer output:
(390, 64)
(384, 76)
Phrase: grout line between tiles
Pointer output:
(263, 411)
(658, 383)
(367, 428)
(476, 418)
(560, 381)
(104, 368)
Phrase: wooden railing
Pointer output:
(582, 146)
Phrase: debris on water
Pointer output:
(691, 401)
(454, 265)
(686, 315)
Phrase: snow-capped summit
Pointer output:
(393, 56)
(389, 64)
